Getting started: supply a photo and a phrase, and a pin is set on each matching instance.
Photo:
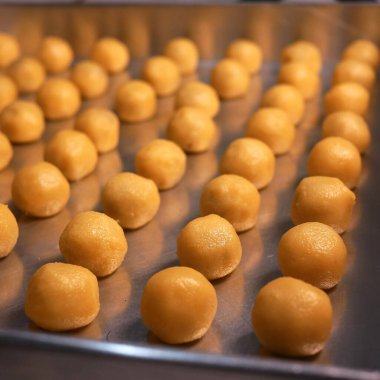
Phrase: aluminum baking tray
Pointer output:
(117, 344)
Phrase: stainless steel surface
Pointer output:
(355, 342)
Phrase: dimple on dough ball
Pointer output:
(273, 127)
(348, 96)
(184, 53)
(313, 252)
(323, 199)
(163, 74)
(8, 91)
(336, 157)
(210, 245)
(62, 297)
(199, 95)
(101, 126)
(251, 159)
(8, 231)
(59, 98)
(136, 101)
(192, 129)
(28, 73)
(233, 198)
(90, 78)
(55, 54)
(73, 153)
(6, 151)
(162, 161)
(246, 52)
(130, 199)
(230, 79)
(292, 318)
(40, 190)
(9, 50)
(22, 122)
(364, 51)
(178, 305)
(95, 241)
(111, 53)
(348, 125)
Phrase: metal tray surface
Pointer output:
(355, 341)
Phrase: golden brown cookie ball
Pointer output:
(59, 99)
(95, 241)
(192, 129)
(40, 190)
(55, 54)
(364, 51)
(8, 231)
(348, 125)
(251, 159)
(323, 199)
(210, 245)
(313, 252)
(178, 305)
(6, 151)
(162, 161)
(163, 74)
(292, 318)
(273, 127)
(348, 96)
(336, 157)
(8, 91)
(199, 95)
(130, 199)
(233, 198)
(62, 297)
(101, 126)
(73, 153)
(184, 53)
(111, 53)
(22, 122)
(136, 101)
(9, 50)
(230, 79)
(90, 78)
(28, 73)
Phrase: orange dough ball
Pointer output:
(364, 51)
(9, 50)
(8, 91)
(292, 318)
(178, 305)
(6, 151)
(246, 52)
(62, 297)
(8, 231)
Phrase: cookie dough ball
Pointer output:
(184, 53)
(292, 318)
(136, 101)
(59, 99)
(251, 159)
(348, 125)
(313, 252)
(199, 95)
(22, 122)
(95, 241)
(348, 96)
(8, 91)
(101, 126)
(192, 129)
(55, 54)
(90, 78)
(130, 199)
(112, 54)
(233, 198)
(323, 199)
(8, 231)
(336, 157)
(273, 127)
(210, 245)
(162, 161)
(40, 190)
(6, 151)
(73, 153)
(62, 297)
(28, 73)
(163, 74)
(9, 50)
(364, 51)
(230, 79)
(178, 305)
